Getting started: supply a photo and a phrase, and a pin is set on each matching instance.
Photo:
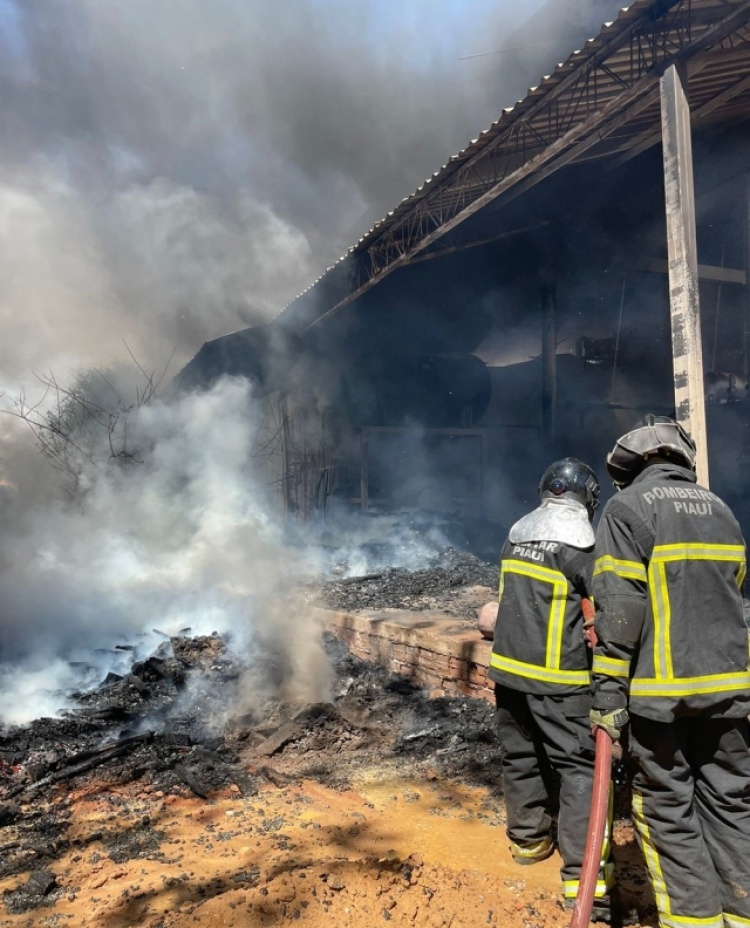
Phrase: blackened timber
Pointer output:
(679, 195)
(85, 761)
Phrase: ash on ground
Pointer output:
(445, 585)
(140, 727)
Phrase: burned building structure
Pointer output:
(583, 261)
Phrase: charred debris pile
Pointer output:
(137, 721)
(167, 727)
(437, 586)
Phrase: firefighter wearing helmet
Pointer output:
(672, 663)
(540, 667)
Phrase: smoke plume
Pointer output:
(172, 172)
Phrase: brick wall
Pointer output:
(446, 654)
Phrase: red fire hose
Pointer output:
(595, 835)
(599, 806)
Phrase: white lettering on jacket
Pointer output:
(678, 493)
(693, 509)
(534, 550)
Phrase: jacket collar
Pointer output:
(665, 472)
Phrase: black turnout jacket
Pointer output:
(670, 564)
(538, 645)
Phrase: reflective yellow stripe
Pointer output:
(660, 604)
(693, 550)
(666, 918)
(628, 570)
(607, 868)
(690, 686)
(539, 851)
(556, 624)
(556, 618)
(662, 612)
(535, 571)
(610, 666)
(735, 921)
(681, 921)
(570, 888)
(606, 879)
(652, 858)
(535, 672)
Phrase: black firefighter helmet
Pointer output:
(570, 478)
(656, 437)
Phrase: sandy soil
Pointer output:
(387, 852)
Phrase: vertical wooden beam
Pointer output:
(549, 373)
(679, 195)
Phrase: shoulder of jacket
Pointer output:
(627, 501)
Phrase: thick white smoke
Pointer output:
(172, 261)
(183, 539)
(172, 172)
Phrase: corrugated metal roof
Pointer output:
(643, 35)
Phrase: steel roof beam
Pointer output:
(648, 139)
(654, 45)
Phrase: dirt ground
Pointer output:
(389, 851)
(382, 806)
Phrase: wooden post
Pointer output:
(679, 195)
(549, 373)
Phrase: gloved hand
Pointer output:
(613, 721)
(589, 635)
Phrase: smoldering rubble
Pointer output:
(164, 724)
(433, 587)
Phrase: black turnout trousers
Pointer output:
(538, 734)
(691, 805)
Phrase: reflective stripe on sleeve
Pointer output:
(610, 666)
(628, 570)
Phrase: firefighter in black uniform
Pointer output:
(540, 667)
(672, 659)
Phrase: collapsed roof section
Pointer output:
(602, 103)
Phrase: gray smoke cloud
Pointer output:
(185, 538)
(171, 172)
(176, 170)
